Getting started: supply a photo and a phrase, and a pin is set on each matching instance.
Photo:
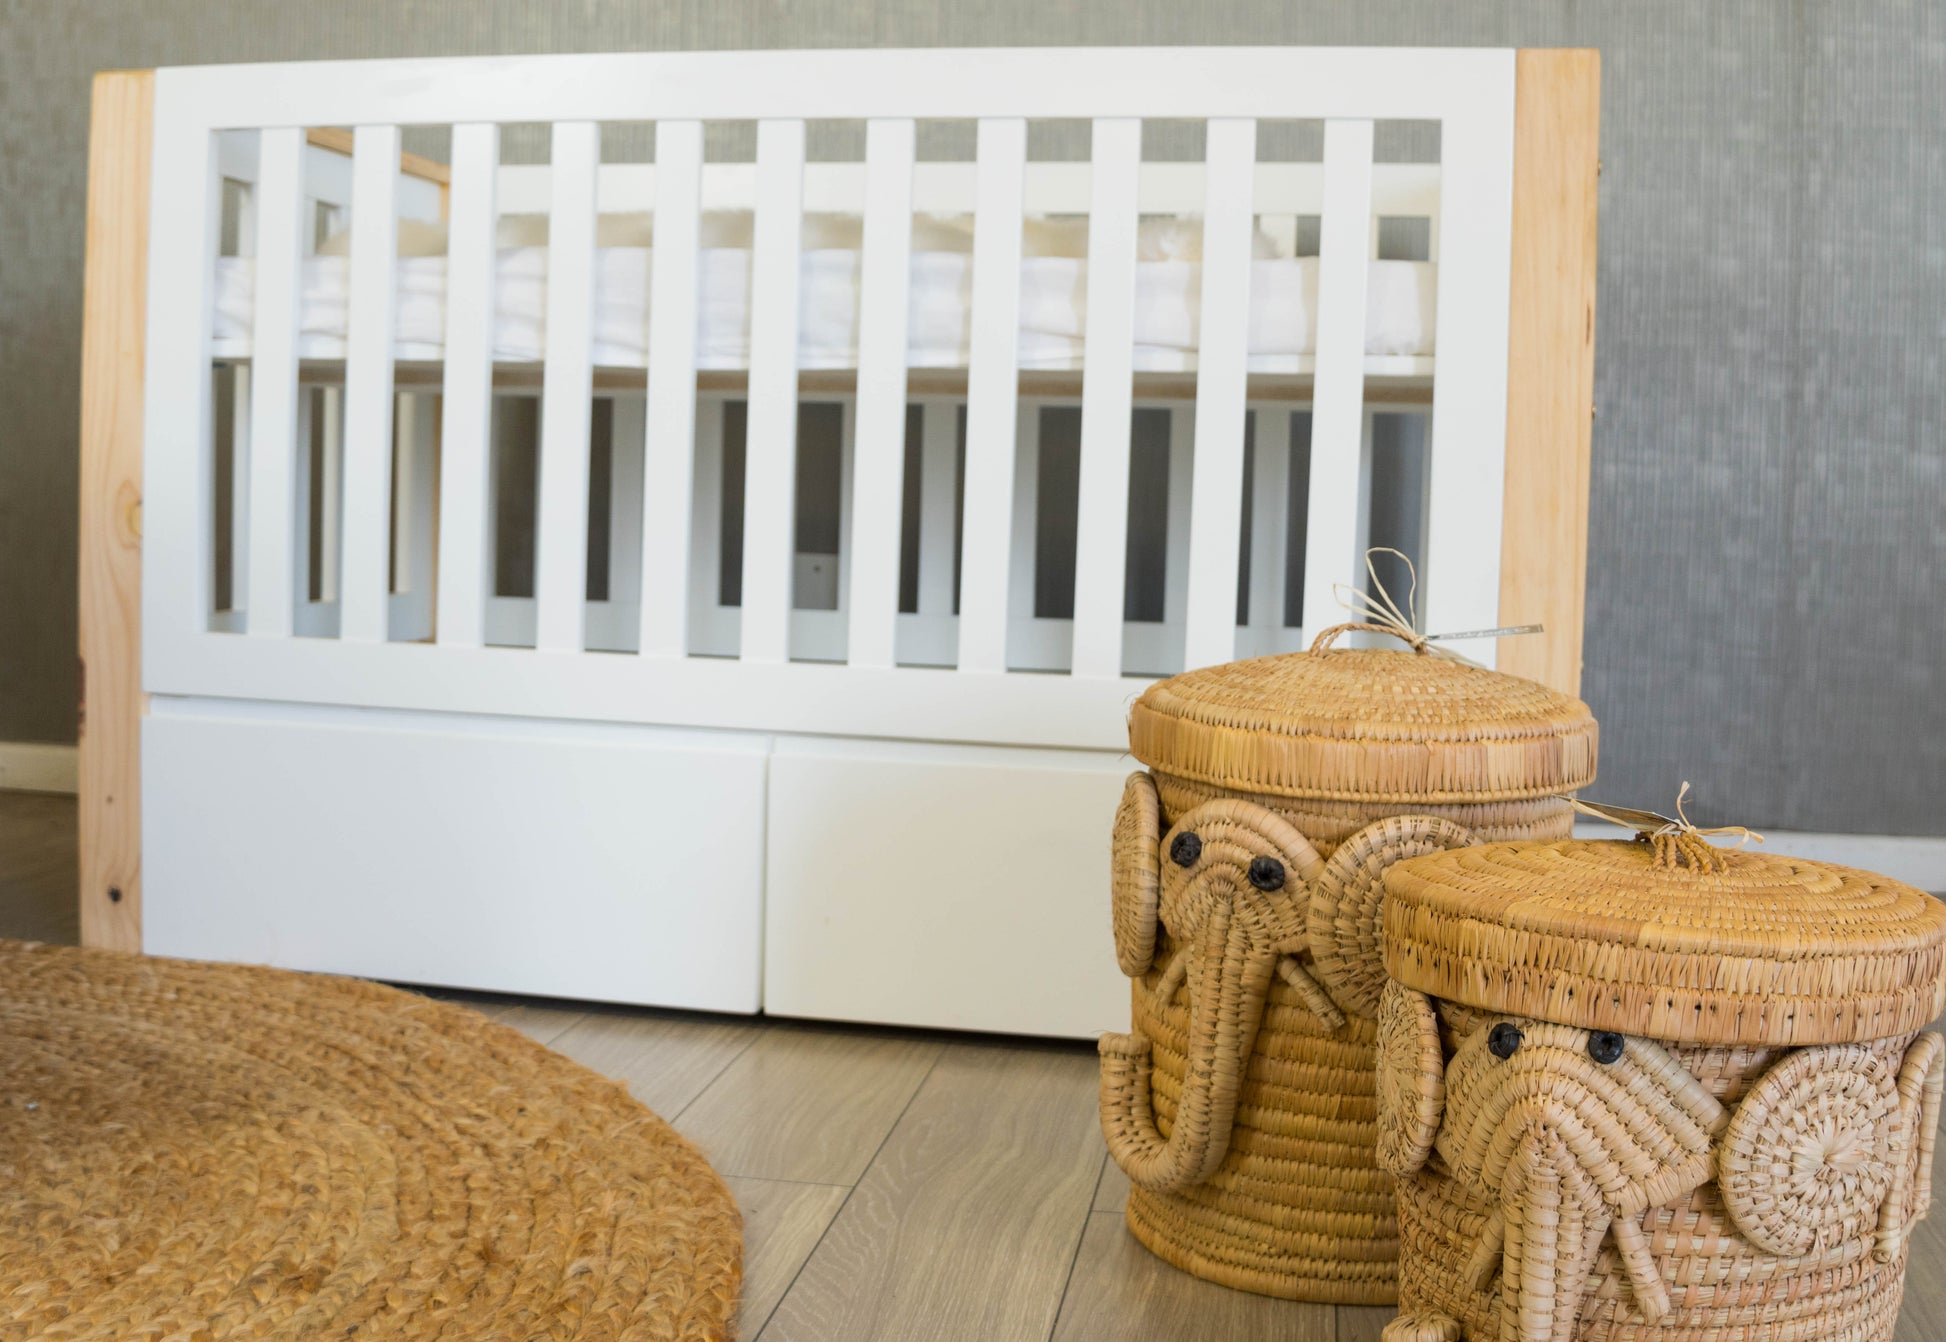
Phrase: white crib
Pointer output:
(821, 711)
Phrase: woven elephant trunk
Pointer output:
(1226, 969)
(1242, 1101)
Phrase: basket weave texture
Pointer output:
(1631, 1094)
(209, 1153)
(1243, 1102)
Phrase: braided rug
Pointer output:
(196, 1152)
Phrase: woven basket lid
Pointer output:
(1367, 725)
(1606, 935)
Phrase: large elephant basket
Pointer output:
(1248, 865)
(1656, 1090)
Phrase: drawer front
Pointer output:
(963, 887)
(556, 859)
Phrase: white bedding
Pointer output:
(1053, 306)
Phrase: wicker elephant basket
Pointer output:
(1656, 1090)
(1248, 864)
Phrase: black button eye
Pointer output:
(1266, 873)
(1604, 1046)
(1503, 1040)
(1185, 849)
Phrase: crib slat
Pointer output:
(567, 386)
(1101, 526)
(770, 471)
(364, 614)
(467, 399)
(992, 394)
(331, 494)
(669, 454)
(847, 477)
(413, 518)
(879, 451)
(706, 529)
(273, 384)
(1027, 507)
(1175, 562)
(1269, 522)
(308, 420)
(1466, 500)
(1210, 632)
(938, 504)
(1336, 524)
(240, 427)
(625, 522)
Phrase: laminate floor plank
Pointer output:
(1922, 1318)
(966, 1224)
(665, 1058)
(1363, 1323)
(1120, 1292)
(782, 1223)
(542, 1022)
(537, 1018)
(806, 1103)
(40, 868)
(1112, 1193)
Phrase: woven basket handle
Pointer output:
(1326, 637)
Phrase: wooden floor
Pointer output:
(38, 872)
(897, 1185)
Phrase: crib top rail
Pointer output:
(1078, 83)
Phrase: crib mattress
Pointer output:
(1053, 309)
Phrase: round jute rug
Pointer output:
(194, 1153)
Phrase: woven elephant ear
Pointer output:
(1812, 1150)
(1922, 1080)
(1136, 874)
(1349, 896)
(1411, 1079)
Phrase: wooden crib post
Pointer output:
(111, 509)
(1550, 362)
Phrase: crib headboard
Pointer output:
(1504, 390)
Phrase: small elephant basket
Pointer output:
(1656, 1089)
(1247, 866)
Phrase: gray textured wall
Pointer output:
(1766, 559)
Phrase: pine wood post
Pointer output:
(1551, 362)
(111, 509)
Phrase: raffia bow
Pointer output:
(1380, 614)
(1676, 841)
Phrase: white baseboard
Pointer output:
(1915, 859)
(31, 766)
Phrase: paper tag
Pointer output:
(1629, 817)
(1505, 631)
